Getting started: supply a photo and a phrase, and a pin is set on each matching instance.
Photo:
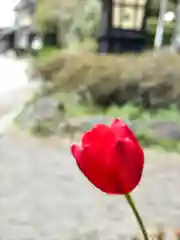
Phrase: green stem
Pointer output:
(138, 217)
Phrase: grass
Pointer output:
(131, 112)
(45, 54)
(126, 112)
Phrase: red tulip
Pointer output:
(111, 158)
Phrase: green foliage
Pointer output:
(46, 13)
(76, 20)
(121, 79)
(155, 5)
(86, 19)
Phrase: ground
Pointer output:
(43, 195)
(15, 87)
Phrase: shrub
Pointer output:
(149, 79)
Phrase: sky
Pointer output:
(7, 15)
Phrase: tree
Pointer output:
(158, 41)
(175, 45)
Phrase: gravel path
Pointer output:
(15, 87)
(44, 196)
(15, 90)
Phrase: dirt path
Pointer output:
(44, 196)
(15, 88)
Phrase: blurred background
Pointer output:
(65, 66)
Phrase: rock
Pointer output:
(25, 119)
(46, 109)
(162, 130)
(170, 235)
(158, 234)
(166, 130)
(153, 234)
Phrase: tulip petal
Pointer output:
(99, 142)
(76, 152)
(97, 145)
(101, 136)
(96, 134)
(122, 130)
(95, 168)
(130, 159)
(118, 122)
(92, 158)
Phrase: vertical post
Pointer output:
(158, 41)
(105, 26)
(175, 45)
